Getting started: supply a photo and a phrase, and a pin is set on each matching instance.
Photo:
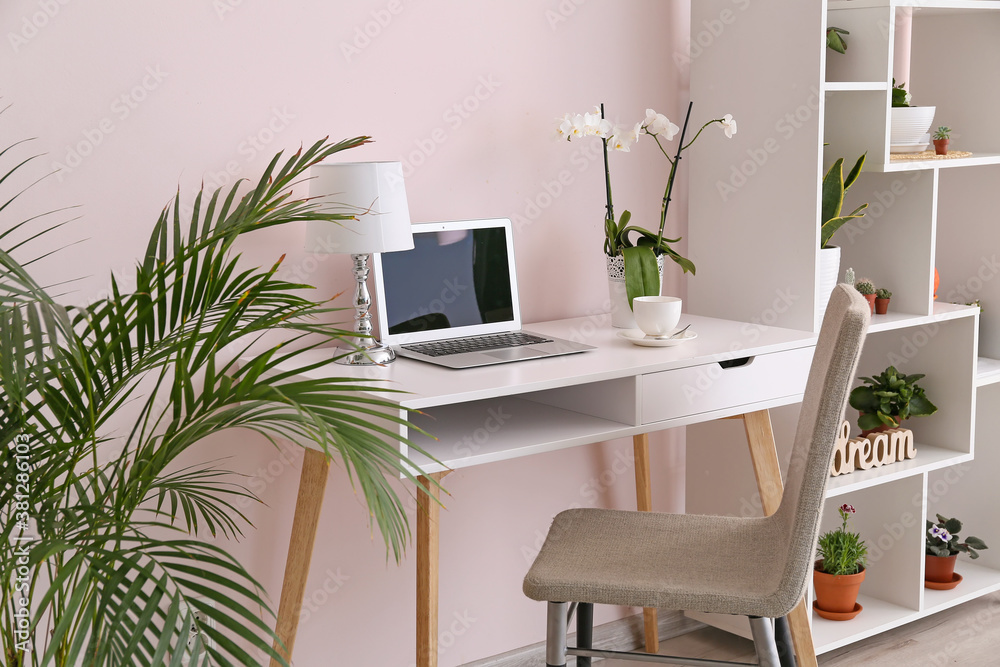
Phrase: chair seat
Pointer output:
(715, 564)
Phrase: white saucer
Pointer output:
(636, 337)
(907, 148)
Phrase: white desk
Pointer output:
(512, 410)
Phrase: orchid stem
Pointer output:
(673, 171)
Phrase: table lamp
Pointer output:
(373, 192)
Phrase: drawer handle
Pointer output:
(736, 363)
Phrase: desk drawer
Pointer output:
(715, 386)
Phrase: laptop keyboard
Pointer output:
(443, 348)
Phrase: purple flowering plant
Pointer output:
(943, 540)
(842, 551)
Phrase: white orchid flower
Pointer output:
(729, 125)
(597, 126)
(565, 127)
(658, 124)
(578, 127)
(622, 139)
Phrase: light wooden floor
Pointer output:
(965, 635)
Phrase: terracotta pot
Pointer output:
(879, 429)
(838, 593)
(871, 301)
(941, 146)
(881, 306)
(939, 569)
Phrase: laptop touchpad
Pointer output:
(515, 353)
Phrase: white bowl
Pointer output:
(909, 124)
(656, 315)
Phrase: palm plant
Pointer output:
(102, 560)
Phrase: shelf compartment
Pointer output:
(977, 581)
(975, 160)
(942, 311)
(987, 371)
(503, 428)
(877, 617)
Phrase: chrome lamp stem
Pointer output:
(366, 350)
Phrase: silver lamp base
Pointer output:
(366, 351)
(376, 355)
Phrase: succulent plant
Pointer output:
(900, 98)
(849, 276)
(835, 187)
(865, 286)
(883, 293)
(834, 39)
(943, 132)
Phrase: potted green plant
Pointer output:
(867, 289)
(942, 549)
(882, 297)
(888, 398)
(909, 123)
(942, 136)
(119, 542)
(835, 187)
(837, 576)
(634, 254)
(835, 40)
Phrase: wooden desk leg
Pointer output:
(764, 456)
(428, 515)
(644, 503)
(312, 484)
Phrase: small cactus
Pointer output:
(865, 286)
(882, 293)
(849, 276)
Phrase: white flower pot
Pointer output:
(829, 272)
(621, 314)
(910, 124)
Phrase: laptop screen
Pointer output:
(458, 280)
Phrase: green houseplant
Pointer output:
(942, 548)
(888, 398)
(941, 139)
(640, 249)
(103, 560)
(882, 297)
(838, 574)
(835, 39)
(867, 289)
(834, 188)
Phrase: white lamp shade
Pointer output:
(374, 193)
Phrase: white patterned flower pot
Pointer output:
(621, 314)
(910, 124)
(829, 272)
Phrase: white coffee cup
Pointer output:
(656, 315)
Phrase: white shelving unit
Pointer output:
(753, 232)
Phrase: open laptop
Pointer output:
(452, 300)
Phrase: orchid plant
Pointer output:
(641, 273)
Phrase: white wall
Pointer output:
(134, 99)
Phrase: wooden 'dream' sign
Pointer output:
(873, 451)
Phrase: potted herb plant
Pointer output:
(835, 186)
(635, 254)
(885, 400)
(943, 547)
(909, 123)
(942, 136)
(867, 289)
(838, 574)
(882, 297)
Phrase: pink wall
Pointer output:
(136, 98)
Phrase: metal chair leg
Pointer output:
(763, 641)
(555, 635)
(783, 640)
(584, 630)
